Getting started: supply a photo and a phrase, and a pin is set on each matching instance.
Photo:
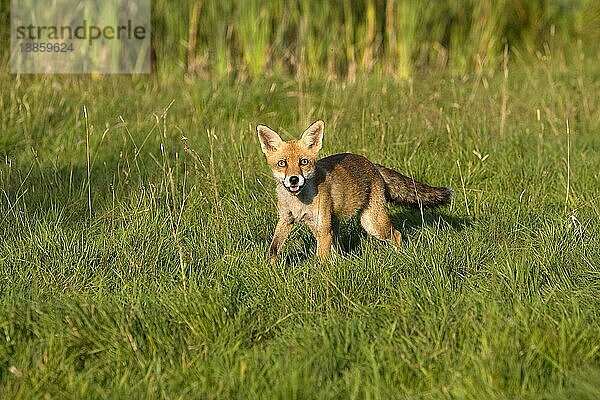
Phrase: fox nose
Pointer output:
(294, 180)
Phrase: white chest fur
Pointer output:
(299, 208)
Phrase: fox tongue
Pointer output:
(294, 188)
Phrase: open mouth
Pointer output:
(294, 189)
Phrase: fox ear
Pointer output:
(313, 136)
(269, 139)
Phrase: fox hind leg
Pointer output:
(376, 222)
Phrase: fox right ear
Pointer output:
(269, 139)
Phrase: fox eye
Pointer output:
(281, 163)
(304, 161)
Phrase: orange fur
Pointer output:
(319, 191)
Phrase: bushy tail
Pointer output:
(403, 190)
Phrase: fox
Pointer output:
(320, 192)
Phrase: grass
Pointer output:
(353, 38)
(132, 258)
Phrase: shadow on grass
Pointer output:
(350, 233)
(295, 257)
(411, 219)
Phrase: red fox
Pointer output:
(319, 191)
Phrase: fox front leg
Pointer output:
(324, 232)
(282, 231)
(324, 242)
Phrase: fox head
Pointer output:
(293, 162)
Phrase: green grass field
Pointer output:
(136, 214)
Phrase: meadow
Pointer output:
(136, 213)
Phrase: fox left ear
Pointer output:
(313, 136)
